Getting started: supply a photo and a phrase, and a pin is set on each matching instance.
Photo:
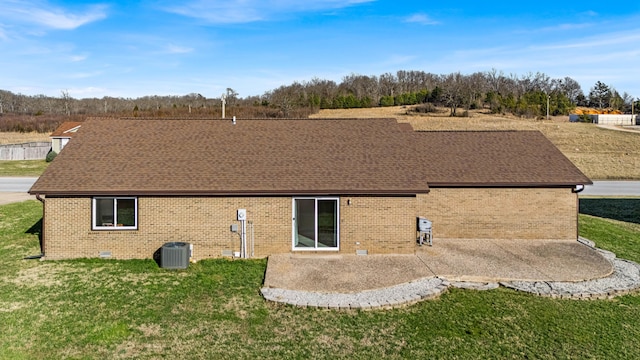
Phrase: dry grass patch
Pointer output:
(43, 275)
(599, 153)
(365, 113)
(11, 306)
(19, 138)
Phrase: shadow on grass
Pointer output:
(36, 229)
(617, 209)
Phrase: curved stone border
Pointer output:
(624, 279)
(481, 286)
(389, 297)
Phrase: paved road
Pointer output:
(16, 184)
(613, 188)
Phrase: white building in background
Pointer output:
(608, 119)
(61, 136)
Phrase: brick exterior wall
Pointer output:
(501, 213)
(380, 225)
(377, 224)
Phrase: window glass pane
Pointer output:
(104, 212)
(305, 232)
(327, 223)
(126, 215)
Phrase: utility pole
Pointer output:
(224, 101)
(548, 97)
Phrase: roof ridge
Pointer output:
(237, 118)
(477, 131)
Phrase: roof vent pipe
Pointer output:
(234, 120)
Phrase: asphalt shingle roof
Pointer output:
(494, 158)
(129, 156)
(303, 156)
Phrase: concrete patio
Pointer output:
(561, 269)
(455, 260)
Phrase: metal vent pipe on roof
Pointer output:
(234, 120)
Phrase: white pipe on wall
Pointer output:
(244, 238)
(252, 253)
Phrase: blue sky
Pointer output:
(138, 48)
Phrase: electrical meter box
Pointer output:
(424, 225)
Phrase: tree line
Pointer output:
(526, 95)
(530, 95)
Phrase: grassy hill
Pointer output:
(600, 153)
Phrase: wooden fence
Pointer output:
(25, 151)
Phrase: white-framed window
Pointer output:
(316, 224)
(114, 213)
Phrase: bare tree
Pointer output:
(569, 88)
(361, 86)
(388, 85)
(495, 80)
(66, 99)
(627, 103)
(3, 100)
(232, 97)
(453, 90)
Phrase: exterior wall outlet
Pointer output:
(242, 214)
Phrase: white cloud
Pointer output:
(422, 19)
(245, 11)
(597, 44)
(397, 60)
(49, 16)
(611, 57)
(559, 27)
(85, 75)
(175, 49)
(58, 19)
(229, 13)
(589, 13)
(86, 92)
(78, 58)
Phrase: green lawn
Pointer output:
(22, 167)
(104, 309)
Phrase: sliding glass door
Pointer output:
(315, 224)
